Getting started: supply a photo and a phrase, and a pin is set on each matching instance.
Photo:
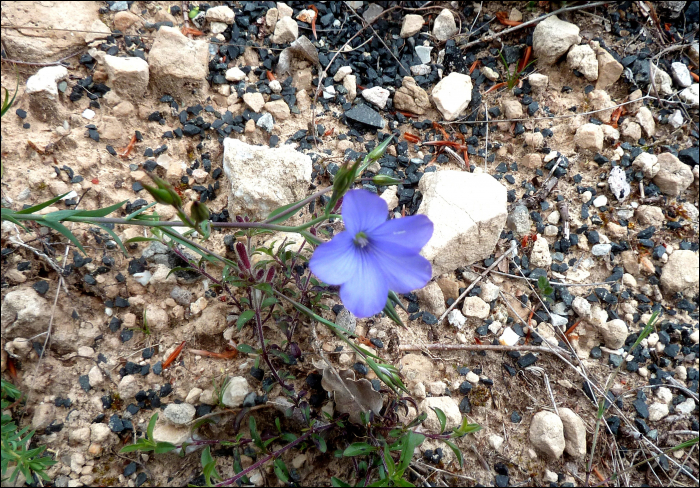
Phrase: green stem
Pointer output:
(177, 223)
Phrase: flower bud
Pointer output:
(343, 181)
(172, 199)
(160, 196)
(384, 180)
(199, 212)
(378, 151)
(242, 255)
(270, 275)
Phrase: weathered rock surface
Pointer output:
(411, 97)
(681, 273)
(178, 65)
(547, 434)
(42, 89)
(552, 38)
(264, 178)
(673, 176)
(468, 212)
(452, 95)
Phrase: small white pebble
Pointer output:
(88, 114)
(108, 312)
(600, 201)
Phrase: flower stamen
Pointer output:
(361, 240)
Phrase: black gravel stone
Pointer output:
(126, 335)
(141, 478)
(360, 369)
(130, 469)
(502, 480)
(465, 388)
(613, 424)
(429, 318)
(165, 390)
(689, 156)
(465, 405)
(365, 115)
(515, 417)
(528, 360)
(641, 407)
(115, 423)
(84, 383)
(41, 287)
(258, 373)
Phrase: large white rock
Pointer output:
(128, 76)
(264, 178)
(574, 433)
(680, 273)
(681, 74)
(589, 136)
(376, 95)
(235, 392)
(412, 24)
(547, 434)
(647, 163)
(220, 14)
(673, 177)
(552, 38)
(583, 59)
(24, 314)
(286, 30)
(452, 95)
(445, 26)
(42, 89)
(540, 257)
(178, 65)
(468, 212)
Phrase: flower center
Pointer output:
(361, 240)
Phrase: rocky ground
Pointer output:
(588, 165)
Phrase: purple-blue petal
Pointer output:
(335, 262)
(402, 269)
(363, 211)
(365, 293)
(411, 233)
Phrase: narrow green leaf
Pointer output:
(281, 470)
(457, 452)
(411, 441)
(269, 301)
(38, 207)
(337, 482)
(280, 210)
(163, 447)
(59, 227)
(358, 449)
(246, 349)
(10, 216)
(135, 213)
(59, 215)
(100, 212)
(389, 461)
(441, 417)
(138, 446)
(244, 317)
(151, 426)
(141, 239)
(115, 237)
(254, 433)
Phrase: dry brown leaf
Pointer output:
(352, 396)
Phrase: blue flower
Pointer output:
(373, 255)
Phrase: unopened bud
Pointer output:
(242, 255)
(270, 275)
(378, 151)
(199, 212)
(161, 196)
(384, 180)
(165, 187)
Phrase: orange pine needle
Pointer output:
(600, 476)
(474, 65)
(270, 76)
(411, 138)
(695, 76)
(127, 150)
(189, 30)
(174, 355)
(496, 86)
(571, 329)
(525, 60)
(221, 355)
(313, 22)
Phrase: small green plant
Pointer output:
(513, 77)
(148, 444)
(6, 104)
(15, 444)
(545, 289)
